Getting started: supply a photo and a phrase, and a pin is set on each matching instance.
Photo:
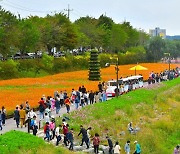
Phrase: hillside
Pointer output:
(155, 111)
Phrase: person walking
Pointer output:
(67, 103)
(100, 87)
(3, 112)
(61, 96)
(104, 96)
(22, 114)
(91, 97)
(58, 136)
(96, 142)
(65, 131)
(110, 144)
(17, 116)
(71, 139)
(84, 136)
(41, 108)
(57, 105)
(27, 107)
(0, 120)
(89, 134)
(117, 148)
(177, 150)
(137, 148)
(77, 101)
(127, 147)
(83, 89)
(33, 125)
(52, 127)
(47, 131)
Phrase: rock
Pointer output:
(90, 150)
(105, 149)
(122, 133)
(79, 148)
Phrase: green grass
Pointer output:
(155, 111)
(17, 142)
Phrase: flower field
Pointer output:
(17, 91)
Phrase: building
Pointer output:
(158, 32)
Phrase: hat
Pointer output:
(135, 141)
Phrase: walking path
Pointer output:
(11, 123)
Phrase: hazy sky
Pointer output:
(144, 14)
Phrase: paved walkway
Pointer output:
(11, 123)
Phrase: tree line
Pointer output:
(35, 33)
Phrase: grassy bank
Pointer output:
(155, 111)
(16, 142)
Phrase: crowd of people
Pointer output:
(68, 138)
(163, 76)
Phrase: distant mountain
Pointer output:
(175, 37)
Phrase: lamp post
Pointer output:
(117, 77)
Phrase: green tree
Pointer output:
(94, 34)
(172, 47)
(8, 27)
(28, 36)
(155, 49)
(118, 38)
(106, 22)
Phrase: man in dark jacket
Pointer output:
(83, 89)
(57, 105)
(91, 97)
(70, 138)
(16, 116)
(110, 144)
(84, 136)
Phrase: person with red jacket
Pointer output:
(96, 142)
(65, 132)
(46, 131)
(42, 107)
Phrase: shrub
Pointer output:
(47, 62)
(9, 69)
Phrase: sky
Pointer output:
(142, 14)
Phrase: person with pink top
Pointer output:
(52, 127)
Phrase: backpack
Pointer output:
(41, 108)
(96, 141)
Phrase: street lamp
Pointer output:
(117, 75)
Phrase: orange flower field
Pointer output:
(17, 91)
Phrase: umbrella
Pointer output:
(138, 67)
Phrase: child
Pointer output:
(96, 142)
(34, 125)
(46, 118)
